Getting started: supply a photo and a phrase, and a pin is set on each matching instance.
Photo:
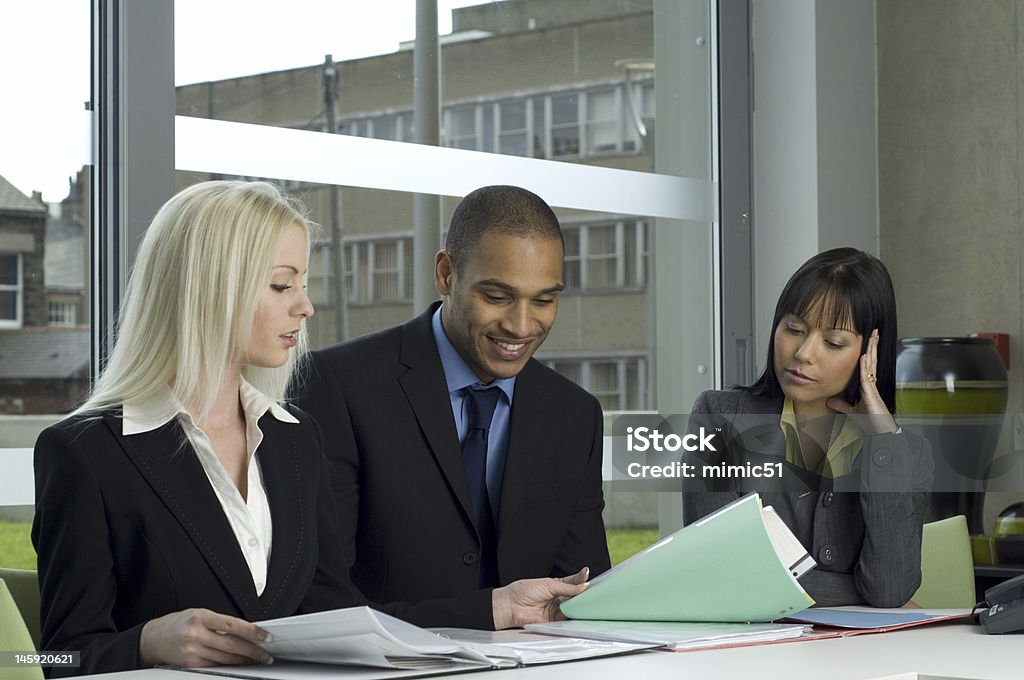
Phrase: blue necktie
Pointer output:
(480, 403)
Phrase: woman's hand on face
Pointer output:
(874, 415)
(534, 600)
(200, 637)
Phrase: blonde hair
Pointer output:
(189, 305)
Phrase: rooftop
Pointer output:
(13, 201)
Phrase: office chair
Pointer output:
(947, 568)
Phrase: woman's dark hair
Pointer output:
(839, 286)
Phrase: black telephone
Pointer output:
(1005, 613)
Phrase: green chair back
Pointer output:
(14, 637)
(23, 585)
(947, 568)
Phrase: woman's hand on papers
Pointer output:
(200, 637)
(534, 600)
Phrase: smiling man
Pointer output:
(460, 463)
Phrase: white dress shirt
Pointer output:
(250, 517)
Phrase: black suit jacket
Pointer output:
(129, 528)
(863, 528)
(399, 483)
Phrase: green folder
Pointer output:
(738, 564)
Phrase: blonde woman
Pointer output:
(183, 499)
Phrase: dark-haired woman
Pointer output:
(853, 486)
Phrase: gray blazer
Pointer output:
(863, 529)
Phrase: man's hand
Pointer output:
(534, 600)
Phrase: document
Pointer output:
(739, 564)
(363, 637)
(674, 635)
(360, 636)
(872, 620)
(529, 648)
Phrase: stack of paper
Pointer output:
(674, 635)
(364, 637)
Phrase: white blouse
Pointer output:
(250, 517)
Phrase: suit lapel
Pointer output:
(425, 387)
(757, 421)
(282, 478)
(166, 460)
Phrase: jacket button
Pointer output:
(882, 458)
(469, 558)
(827, 499)
(826, 555)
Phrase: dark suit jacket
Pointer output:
(402, 496)
(128, 529)
(863, 528)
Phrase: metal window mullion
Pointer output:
(583, 102)
(620, 254)
(19, 298)
(641, 228)
(399, 269)
(584, 255)
(478, 127)
(617, 111)
(133, 145)
(371, 272)
(641, 384)
(620, 378)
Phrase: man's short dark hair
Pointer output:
(499, 209)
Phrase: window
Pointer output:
(379, 270)
(619, 383)
(462, 128)
(394, 127)
(512, 126)
(10, 290)
(553, 123)
(565, 125)
(605, 255)
(61, 313)
(603, 122)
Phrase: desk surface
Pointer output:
(957, 650)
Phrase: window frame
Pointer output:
(18, 288)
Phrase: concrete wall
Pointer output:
(950, 171)
(814, 138)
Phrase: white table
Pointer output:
(957, 650)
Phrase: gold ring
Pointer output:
(871, 377)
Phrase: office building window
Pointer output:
(462, 127)
(10, 290)
(605, 255)
(619, 383)
(603, 122)
(512, 128)
(394, 127)
(565, 125)
(379, 270)
(555, 123)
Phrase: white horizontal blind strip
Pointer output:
(224, 147)
(17, 480)
(17, 485)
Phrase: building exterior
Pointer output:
(553, 79)
(42, 369)
(22, 283)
